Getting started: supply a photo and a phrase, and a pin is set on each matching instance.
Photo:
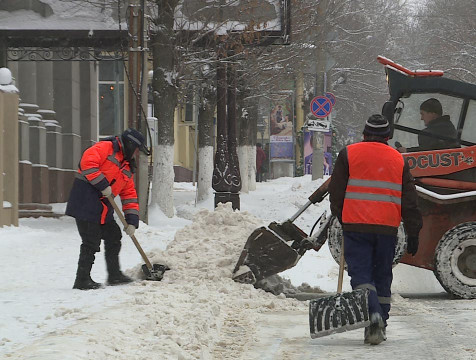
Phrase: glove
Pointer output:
(130, 229)
(412, 245)
(107, 191)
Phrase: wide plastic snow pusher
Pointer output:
(278, 247)
(340, 312)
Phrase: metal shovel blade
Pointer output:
(156, 273)
(339, 313)
(265, 253)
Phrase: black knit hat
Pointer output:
(377, 125)
(432, 106)
(133, 139)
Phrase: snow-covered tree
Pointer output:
(445, 33)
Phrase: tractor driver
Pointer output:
(439, 132)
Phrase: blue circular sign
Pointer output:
(321, 106)
(331, 97)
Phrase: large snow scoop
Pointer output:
(153, 272)
(278, 247)
(340, 312)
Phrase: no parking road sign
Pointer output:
(321, 106)
(331, 97)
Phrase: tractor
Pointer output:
(445, 180)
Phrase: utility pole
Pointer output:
(299, 118)
(320, 89)
(195, 107)
(137, 94)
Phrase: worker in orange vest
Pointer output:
(371, 191)
(106, 168)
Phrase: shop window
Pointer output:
(110, 98)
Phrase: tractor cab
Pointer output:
(444, 166)
(410, 89)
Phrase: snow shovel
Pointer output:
(340, 312)
(267, 252)
(153, 272)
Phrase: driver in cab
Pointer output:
(439, 132)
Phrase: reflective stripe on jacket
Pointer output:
(374, 188)
(103, 165)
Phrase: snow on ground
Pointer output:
(196, 311)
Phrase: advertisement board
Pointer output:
(281, 130)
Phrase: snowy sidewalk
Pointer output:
(197, 311)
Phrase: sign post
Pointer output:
(321, 107)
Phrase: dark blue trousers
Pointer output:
(369, 259)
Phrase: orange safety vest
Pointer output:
(374, 189)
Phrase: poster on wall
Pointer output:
(327, 147)
(281, 130)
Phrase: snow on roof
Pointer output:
(204, 15)
(58, 15)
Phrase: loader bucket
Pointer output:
(278, 247)
(265, 253)
(288, 231)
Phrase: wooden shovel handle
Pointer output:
(341, 268)
(124, 222)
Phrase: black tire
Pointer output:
(455, 261)
(335, 234)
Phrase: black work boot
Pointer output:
(375, 333)
(116, 277)
(84, 282)
(83, 278)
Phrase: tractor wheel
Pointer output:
(335, 235)
(455, 261)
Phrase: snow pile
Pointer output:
(190, 314)
(210, 246)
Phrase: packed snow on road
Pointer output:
(197, 311)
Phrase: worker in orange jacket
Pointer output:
(106, 168)
(371, 191)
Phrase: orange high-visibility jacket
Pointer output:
(103, 165)
(374, 188)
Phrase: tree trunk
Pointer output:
(244, 147)
(231, 119)
(221, 180)
(165, 101)
(205, 141)
(251, 134)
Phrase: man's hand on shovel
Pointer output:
(130, 229)
(107, 191)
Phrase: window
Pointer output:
(189, 108)
(410, 115)
(469, 128)
(110, 98)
